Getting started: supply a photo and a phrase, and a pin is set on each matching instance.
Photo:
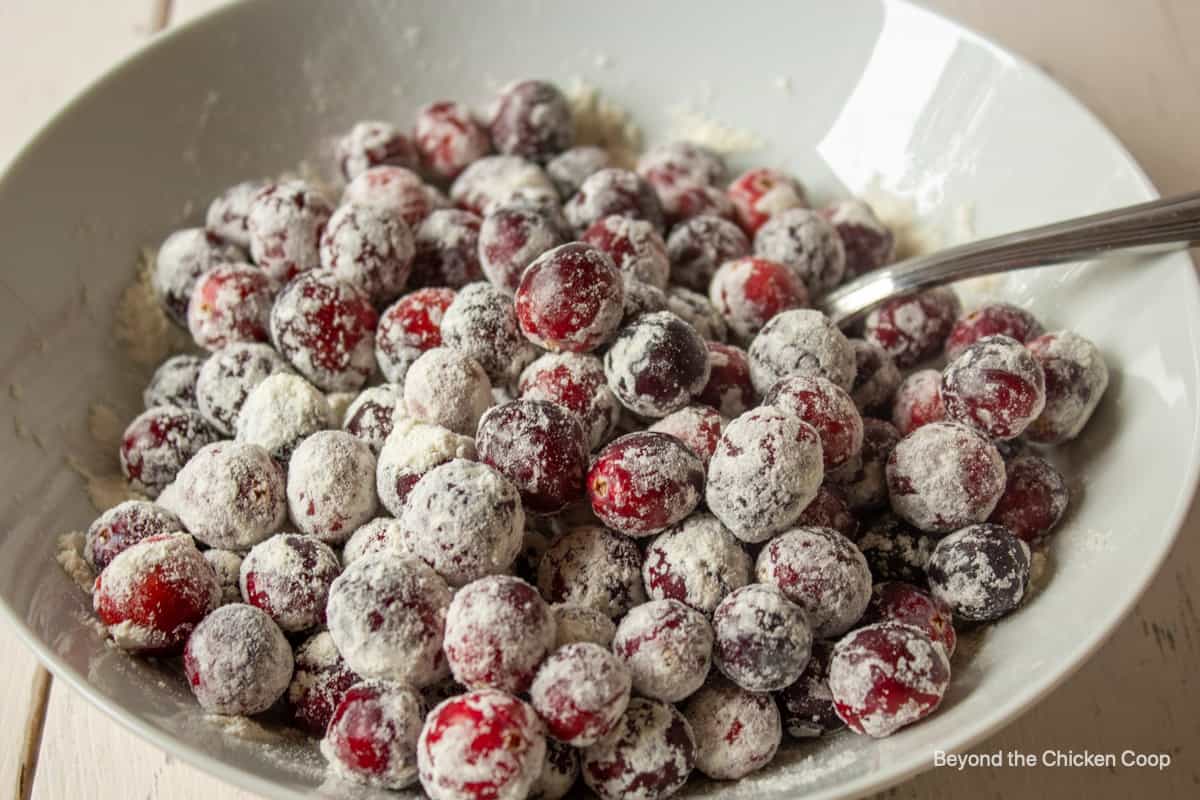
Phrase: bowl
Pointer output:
(862, 96)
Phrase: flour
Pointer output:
(70, 558)
(140, 325)
(601, 122)
(691, 125)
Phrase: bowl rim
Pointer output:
(878, 779)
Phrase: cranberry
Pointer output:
(580, 692)
(373, 144)
(498, 630)
(447, 388)
(483, 744)
(226, 217)
(482, 323)
(1034, 500)
(981, 572)
(409, 327)
(288, 576)
(682, 202)
(667, 647)
(158, 443)
(228, 376)
(541, 447)
(680, 163)
(699, 245)
(821, 571)
(593, 567)
(184, 256)
(1076, 377)
(447, 250)
(737, 732)
(576, 382)
(803, 241)
(807, 705)
(634, 245)
(331, 485)
(876, 377)
(325, 327)
(494, 181)
(281, 412)
(990, 320)
(576, 623)
(749, 291)
(174, 383)
(765, 471)
(943, 476)
(380, 535)
(230, 495)
(532, 120)
(285, 222)
(559, 772)
(863, 480)
(318, 684)
(697, 562)
(801, 342)
(828, 408)
(657, 364)
(613, 191)
(369, 248)
(237, 661)
(762, 639)
(694, 309)
(649, 754)
(760, 193)
(895, 601)
(369, 417)
(698, 427)
(570, 168)
(644, 482)
(413, 449)
(394, 190)
(154, 592)
(123, 526)
(228, 566)
(372, 734)
(918, 401)
(869, 244)
(230, 303)
(448, 138)
(510, 239)
(895, 550)
(829, 509)
(641, 299)
(465, 520)
(570, 298)
(729, 389)
(912, 329)
(996, 386)
(886, 676)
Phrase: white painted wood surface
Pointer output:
(1136, 63)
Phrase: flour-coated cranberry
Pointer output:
(896, 601)
(829, 509)
(821, 571)
(281, 412)
(729, 389)
(680, 162)
(174, 383)
(1076, 377)
(285, 222)
(372, 734)
(806, 706)
(570, 298)
(863, 480)
(288, 577)
(657, 364)
(498, 631)
(325, 328)
(511, 237)
(576, 382)
(801, 342)
(913, 328)
(395, 190)
(634, 245)
(645, 482)
(613, 191)
(380, 535)
(560, 771)
(667, 647)
(580, 692)
(766, 469)
(229, 375)
(230, 303)
(226, 217)
(760, 193)
(412, 449)
(158, 442)
(697, 426)
(541, 447)
(995, 386)
(123, 526)
(370, 249)
(944, 476)
(648, 755)
(570, 168)
(320, 680)
(448, 138)
(762, 639)
(749, 291)
(641, 299)
(237, 661)
(482, 323)
(182, 258)
(152, 594)
(895, 550)
(1034, 500)
(803, 241)
(992, 319)
(371, 415)
(685, 201)
(695, 309)
(697, 562)
(447, 388)
(373, 144)
(331, 485)
(876, 378)
(886, 676)
(482, 744)
(594, 567)
(981, 572)
(869, 244)
(918, 401)
(737, 732)
(447, 250)
(699, 245)
(494, 181)
(828, 408)
(532, 119)
(409, 327)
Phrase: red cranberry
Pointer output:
(869, 244)
(570, 168)
(807, 705)
(996, 386)
(285, 222)
(318, 684)
(990, 320)
(227, 213)
(174, 383)
(876, 377)
(541, 447)
(183, 257)
(765, 471)
(570, 298)
(649, 754)
(697, 562)
(699, 245)
(510, 239)
(737, 732)
(803, 241)
(698, 427)
(594, 567)
(447, 250)
(373, 144)
(912, 329)
(230, 303)
(918, 401)
(413, 449)
(154, 592)
(325, 328)
(447, 388)
(380, 535)
(559, 772)
(230, 495)
(495, 181)
(498, 630)
(829, 509)
(483, 744)
(613, 191)
(981, 572)
(370, 249)
(680, 163)
(237, 661)
(1076, 377)
(667, 648)
(1034, 500)
(228, 376)
(532, 120)
(729, 389)
(580, 692)
(645, 482)
(895, 601)
(944, 476)
(158, 443)
(372, 735)
(123, 526)
(821, 571)
(801, 342)
(634, 245)
(760, 193)
(886, 676)
(331, 485)
(280, 413)
(395, 190)
(448, 138)
(762, 639)
(657, 364)
(409, 327)
(288, 576)
(895, 550)
(482, 323)
(749, 291)
(682, 202)
(370, 416)
(863, 480)
(694, 309)
(576, 382)
(828, 408)
(387, 616)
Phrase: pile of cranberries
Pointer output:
(609, 500)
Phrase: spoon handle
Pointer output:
(1173, 221)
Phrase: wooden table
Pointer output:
(1136, 63)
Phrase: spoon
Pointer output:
(1173, 222)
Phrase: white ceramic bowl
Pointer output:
(878, 90)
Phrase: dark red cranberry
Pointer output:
(981, 572)
(230, 303)
(697, 562)
(237, 661)
(1076, 377)
(762, 639)
(990, 320)
(318, 684)
(807, 705)
(395, 190)
(829, 510)
(876, 378)
(227, 378)
(372, 144)
(698, 427)
(613, 191)
(174, 383)
(285, 222)
(409, 327)
(372, 735)
(729, 389)
(371, 415)
(532, 120)
(1034, 500)
(123, 526)
(498, 631)
(996, 386)
(869, 244)
(325, 328)
(495, 181)
(677, 163)
(912, 329)
(650, 754)
(226, 215)
(511, 238)
(570, 168)
(576, 382)
(580, 692)
(749, 291)
(447, 250)
(863, 480)
(370, 249)
(828, 408)
(667, 647)
(634, 245)
(803, 241)
(657, 364)
(895, 550)
(645, 482)
(694, 309)
(482, 323)
(699, 245)
(821, 571)
(182, 258)
(570, 298)
(895, 601)
(759, 193)
(541, 447)
(918, 401)
(448, 138)
(594, 567)
(158, 443)
(686, 201)
(288, 576)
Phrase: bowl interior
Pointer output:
(848, 96)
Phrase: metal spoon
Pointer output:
(1173, 221)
